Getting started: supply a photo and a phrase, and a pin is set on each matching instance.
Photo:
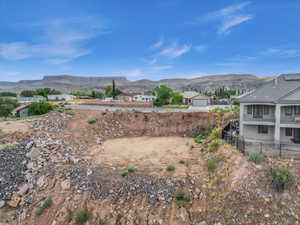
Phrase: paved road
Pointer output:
(156, 109)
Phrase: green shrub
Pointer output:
(39, 211)
(7, 105)
(39, 108)
(213, 146)
(82, 216)
(103, 113)
(71, 113)
(198, 139)
(131, 170)
(182, 161)
(282, 178)
(125, 173)
(211, 165)
(48, 203)
(216, 134)
(8, 148)
(92, 121)
(60, 110)
(182, 197)
(170, 168)
(256, 157)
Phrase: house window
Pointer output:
(249, 109)
(288, 111)
(297, 110)
(288, 132)
(266, 110)
(262, 129)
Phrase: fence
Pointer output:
(281, 150)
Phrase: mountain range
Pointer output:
(70, 83)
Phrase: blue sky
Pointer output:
(144, 39)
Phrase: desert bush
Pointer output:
(182, 161)
(191, 147)
(199, 138)
(213, 146)
(256, 157)
(282, 178)
(39, 108)
(48, 203)
(131, 170)
(8, 148)
(211, 165)
(103, 113)
(39, 211)
(170, 168)
(92, 121)
(182, 197)
(82, 216)
(71, 113)
(216, 134)
(124, 173)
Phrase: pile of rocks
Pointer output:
(54, 122)
(104, 183)
(12, 169)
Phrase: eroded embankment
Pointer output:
(129, 124)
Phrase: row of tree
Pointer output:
(40, 91)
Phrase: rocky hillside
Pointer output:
(68, 83)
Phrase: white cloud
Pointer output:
(176, 50)
(229, 17)
(158, 44)
(59, 41)
(282, 52)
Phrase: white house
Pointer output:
(271, 113)
(63, 97)
(144, 98)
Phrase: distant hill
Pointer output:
(69, 83)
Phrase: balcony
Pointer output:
(259, 113)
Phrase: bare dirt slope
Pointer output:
(68, 159)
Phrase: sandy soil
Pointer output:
(14, 126)
(147, 153)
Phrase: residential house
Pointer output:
(36, 98)
(144, 98)
(62, 97)
(195, 99)
(271, 113)
(187, 97)
(21, 111)
(126, 97)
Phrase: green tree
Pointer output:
(6, 106)
(177, 98)
(39, 108)
(97, 94)
(28, 93)
(163, 95)
(47, 91)
(112, 91)
(80, 93)
(8, 94)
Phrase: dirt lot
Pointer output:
(81, 164)
(145, 153)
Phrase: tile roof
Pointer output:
(273, 91)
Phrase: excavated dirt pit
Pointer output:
(151, 154)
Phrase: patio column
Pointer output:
(277, 124)
(242, 108)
